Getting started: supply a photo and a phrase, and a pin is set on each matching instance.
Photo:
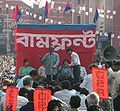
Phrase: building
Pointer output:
(116, 26)
(8, 24)
(116, 22)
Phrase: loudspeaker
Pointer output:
(109, 53)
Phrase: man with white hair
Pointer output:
(87, 82)
(114, 79)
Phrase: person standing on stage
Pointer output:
(75, 63)
(51, 61)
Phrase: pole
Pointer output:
(73, 12)
(51, 66)
(84, 17)
(8, 44)
(8, 41)
(112, 36)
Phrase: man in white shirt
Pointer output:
(64, 94)
(2, 94)
(83, 73)
(21, 101)
(75, 63)
(87, 82)
(33, 76)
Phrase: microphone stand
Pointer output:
(51, 66)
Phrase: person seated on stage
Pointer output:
(65, 72)
(26, 68)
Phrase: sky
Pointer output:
(31, 2)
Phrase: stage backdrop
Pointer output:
(33, 41)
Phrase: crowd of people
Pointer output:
(70, 84)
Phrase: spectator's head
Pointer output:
(76, 87)
(31, 95)
(118, 89)
(27, 82)
(54, 105)
(23, 92)
(52, 89)
(57, 88)
(6, 83)
(65, 62)
(91, 66)
(35, 84)
(84, 91)
(75, 101)
(69, 51)
(53, 83)
(51, 48)
(34, 74)
(26, 62)
(116, 66)
(108, 64)
(94, 108)
(66, 85)
(92, 99)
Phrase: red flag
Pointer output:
(68, 7)
(100, 82)
(46, 13)
(11, 98)
(17, 13)
(41, 99)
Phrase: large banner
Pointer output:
(100, 82)
(33, 41)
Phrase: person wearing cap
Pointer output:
(114, 79)
(51, 61)
(75, 64)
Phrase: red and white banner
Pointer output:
(11, 98)
(41, 99)
(100, 82)
(33, 41)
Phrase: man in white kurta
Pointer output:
(75, 64)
